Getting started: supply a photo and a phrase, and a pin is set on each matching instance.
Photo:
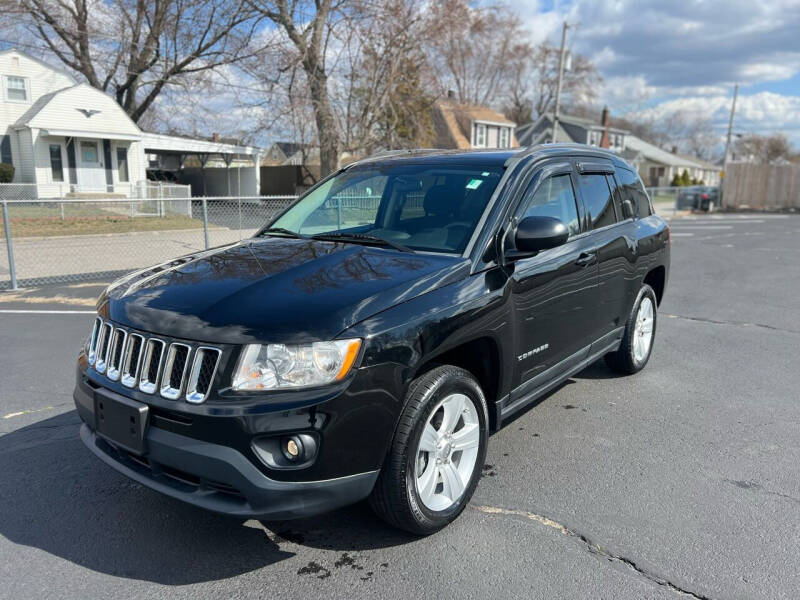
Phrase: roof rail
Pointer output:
(543, 148)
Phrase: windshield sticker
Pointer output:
(474, 184)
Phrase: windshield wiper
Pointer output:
(360, 237)
(281, 230)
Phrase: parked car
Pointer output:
(698, 197)
(356, 349)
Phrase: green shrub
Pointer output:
(6, 173)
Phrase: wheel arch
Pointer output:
(481, 356)
(656, 279)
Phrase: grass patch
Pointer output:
(52, 225)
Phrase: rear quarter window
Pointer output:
(633, 190)
(597, 199)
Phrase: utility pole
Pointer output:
(730, 126)
(728, 146)
(560, 79)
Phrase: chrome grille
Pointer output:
(133, 360)
(98, 323)
(202, 374)
(103, 341)
(174, 369)
(114, 352)
(151, 365)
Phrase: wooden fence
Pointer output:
(768, 187)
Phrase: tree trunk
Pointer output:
(323, 115)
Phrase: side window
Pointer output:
(553, 198)
(616, 194)
(632, 189)
(597, 198)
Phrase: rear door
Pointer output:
(613, 239)
(553, 293)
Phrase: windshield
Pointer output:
(422, 207)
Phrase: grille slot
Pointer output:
(98, 323)
(174, 371)
(115, 353)
(201, 377)
(133, 359)
(151, 365)
(106, 332)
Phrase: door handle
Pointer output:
(586, 258)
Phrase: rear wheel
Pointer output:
(640, 332)
(437, 453)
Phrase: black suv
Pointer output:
(367, 341)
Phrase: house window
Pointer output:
(89, 152)
(16, 89)
(122, 165)
(5, 149)
(480, 135)
(56, 164)
(504, 137)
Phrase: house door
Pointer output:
(91, 174)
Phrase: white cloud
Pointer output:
(761, 113)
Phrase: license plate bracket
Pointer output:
(121, 420)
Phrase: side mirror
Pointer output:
(627, 209)
(535, 234)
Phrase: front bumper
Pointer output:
(221, 479)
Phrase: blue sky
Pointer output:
(657, 56)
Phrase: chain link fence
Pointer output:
(69, 240)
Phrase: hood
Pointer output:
(273, 290)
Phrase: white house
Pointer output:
(65, 137)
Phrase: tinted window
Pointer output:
(616, 195)
(553, 198)
(632, 189)
(597, 198)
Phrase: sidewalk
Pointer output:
(84, 257)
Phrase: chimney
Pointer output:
(215, 137)
(674, 150)
(605, 141)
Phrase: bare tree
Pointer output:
(133, 49)
(763, 149)
(308, 27)
(532, 90)
(384, 98)
(471, 49)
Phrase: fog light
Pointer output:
(292, 448)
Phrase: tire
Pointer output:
(630, 357)
(438, 394)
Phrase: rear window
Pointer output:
(633, 190)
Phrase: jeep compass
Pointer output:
(366, 342)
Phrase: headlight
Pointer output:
(280, 366)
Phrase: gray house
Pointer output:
(656, 166)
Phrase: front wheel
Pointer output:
(640, 332)
(437, 453)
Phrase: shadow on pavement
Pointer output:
(59, 498)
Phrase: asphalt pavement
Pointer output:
(681, 480)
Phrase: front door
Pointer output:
(91, 171)
(554, 292)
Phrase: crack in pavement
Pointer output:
(591, 547)
(755, 486)
(734, 323)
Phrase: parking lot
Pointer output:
(681, 480)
